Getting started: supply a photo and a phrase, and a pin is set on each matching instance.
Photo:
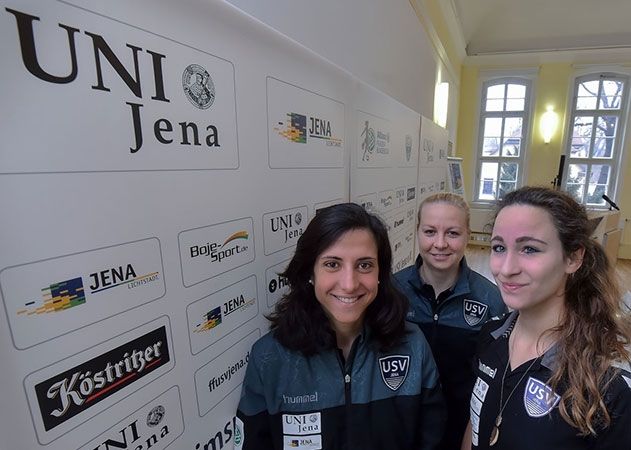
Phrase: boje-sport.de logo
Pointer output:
(81, 387)
(300, 128)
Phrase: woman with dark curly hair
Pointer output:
(340, 368)
(553, 374)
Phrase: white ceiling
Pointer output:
(518, 26)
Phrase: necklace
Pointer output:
(495, 432)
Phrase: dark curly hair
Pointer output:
(299, 321)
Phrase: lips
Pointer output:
(511, 287)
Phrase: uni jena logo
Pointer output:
(71, 392)
(295, 129)
(394, 370)
(198, 86)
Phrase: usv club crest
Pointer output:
(473, 312)
(394, 370)
(539, 398)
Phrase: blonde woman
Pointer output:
(449, 302)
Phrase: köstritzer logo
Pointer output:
(69, 393)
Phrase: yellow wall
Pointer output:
(552, 85)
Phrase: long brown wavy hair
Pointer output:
(594, 330)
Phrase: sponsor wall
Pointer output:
(157, 167)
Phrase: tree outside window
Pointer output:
(595, 145)
(504, 118)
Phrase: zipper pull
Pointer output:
(435, 317)
(347, 378)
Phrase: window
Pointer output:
(595, 137)
(504, 119)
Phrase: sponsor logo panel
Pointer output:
(281, 229)
(369, 202)
(69, 392)
(221, 376)
(386, 201)
(277, 285)
(209, 251)
(232, 431)
(305, 129)
(302, 424)
(373, 140)
(154, 426)
(217, 315)
(168, 106)
(49, 298)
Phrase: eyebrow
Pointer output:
(361, 258)
(520, 240)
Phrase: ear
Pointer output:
(574, 261)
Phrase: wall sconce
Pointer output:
(548, 124)
(441, 103)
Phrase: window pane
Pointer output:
(587, 95)
(508, 172)
(495, 105)
(576, 190)
(588, 88)
(495, 91)
(611, 96)
(598, 181)
(511, 147)
(492, 127)
(577, 173)
(488, 181)
(581, 136)
(505, 188)
(605, 135)
(516, 91)
(490, 146)
(515, 104)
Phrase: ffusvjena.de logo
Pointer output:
(81, 387)
(394, 370)
(198, 86)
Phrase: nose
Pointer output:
(440, 241)
(509, 264)
(348, 279)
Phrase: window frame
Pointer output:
(526, 80)
(618, 148)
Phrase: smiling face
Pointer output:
(527, 259)
(442, 236)
(346, 278)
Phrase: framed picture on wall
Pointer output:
(454, 176)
